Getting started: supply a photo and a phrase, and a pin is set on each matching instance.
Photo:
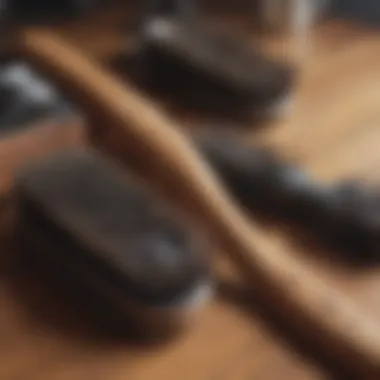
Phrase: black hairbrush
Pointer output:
(345, 214)
(109, 240)
(26, 97)
(209, 69)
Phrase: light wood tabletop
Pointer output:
(334, 131)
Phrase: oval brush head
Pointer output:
(112, 238)
(345, 214)
(211, 70)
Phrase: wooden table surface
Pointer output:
(334, 131)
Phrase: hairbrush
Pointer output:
(342, 213)
(25, 97)
(105, 235)
(207, 68)
(331, 321)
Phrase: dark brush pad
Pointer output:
(344, 214)
(26, 97)
(210, 69)
(107, 234)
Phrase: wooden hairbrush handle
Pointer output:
(327, 318)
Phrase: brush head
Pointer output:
(254, 174)
(113, 235)
(208, 66)
(345, 214)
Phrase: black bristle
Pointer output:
(107, 231)
(210, 70)
(255, 176)
(347, 219)
(344, 214)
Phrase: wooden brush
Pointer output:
(331, 321)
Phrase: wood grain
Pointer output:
(114, 363)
